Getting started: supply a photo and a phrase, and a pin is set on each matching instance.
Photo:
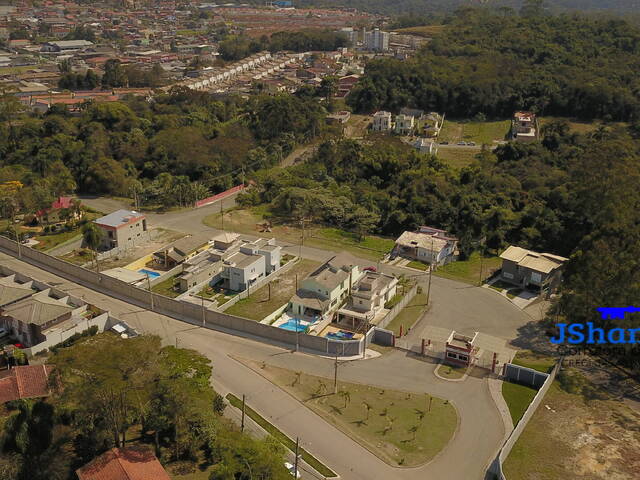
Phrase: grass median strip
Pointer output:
(281, 437)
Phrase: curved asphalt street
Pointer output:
(462, 307)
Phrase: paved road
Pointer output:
(480, 429)
(455, 305)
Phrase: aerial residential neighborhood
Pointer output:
(319, 240)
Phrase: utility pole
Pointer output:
(297, 334)
(18, 242)
(482, 245)
(150, 293)
(335, 375)
(242, 421)
(204, 313)
(222, 215)
(295, 471)
(430, 273)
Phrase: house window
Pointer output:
(452, 355)
(464, 358)
(536, 277)
(507, 275)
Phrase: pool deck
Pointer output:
(333, 329)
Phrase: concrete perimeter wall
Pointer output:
(393, 313)
(183, 311)
(496, 466)
(525, 376)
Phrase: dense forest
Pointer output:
(108, 391)
(569, 194)
(495, 64)
(236, 47)
(173, 150)
(418, 7)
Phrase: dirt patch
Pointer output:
(578, 432)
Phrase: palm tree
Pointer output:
(346, 396)
(413, 430)
(368, 408)
(92, 236)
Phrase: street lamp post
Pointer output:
(150, 291)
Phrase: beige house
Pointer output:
(429, 245)
(404, 124)
(532, 270)
(324, 290)
(524, 127)
(381, 122)
(367, 300)
(122, 228)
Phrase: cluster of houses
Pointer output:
(38, 315)
(520, 267)
(411, 122)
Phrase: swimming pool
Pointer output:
(341, 335)
(151, 273)
(294, 326)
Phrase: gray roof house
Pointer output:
(529, 269)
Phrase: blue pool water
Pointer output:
(294, 326)
(151, 273)
(340, 335)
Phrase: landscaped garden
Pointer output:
(167, 287)
(451, 372)
(276, 293)
(401, 428)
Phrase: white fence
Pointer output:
(496, 465)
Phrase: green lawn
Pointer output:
(468, 271)
(248, 221)
(409, 315)
(281, 437)
(78, 257)
(418, 265)
(457, 158)
(258, 305)
(451, 372)
(166, 287)
(48, 242)
(423, 31)
(540, 363)
(397, 427)
(473, 131)
(518, 398)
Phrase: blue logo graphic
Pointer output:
(587, 333)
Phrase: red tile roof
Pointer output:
(133, 463)
(29, 381)
(60, 202)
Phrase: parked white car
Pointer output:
(291, 469)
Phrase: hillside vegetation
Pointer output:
(494, 64)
